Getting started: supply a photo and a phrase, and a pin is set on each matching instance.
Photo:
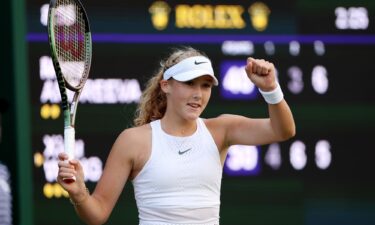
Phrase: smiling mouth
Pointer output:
(194, 105)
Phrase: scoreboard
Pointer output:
(324, 54)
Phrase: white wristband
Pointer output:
(273, 97)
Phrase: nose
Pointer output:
(197, 95)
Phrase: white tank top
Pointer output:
(180, 183)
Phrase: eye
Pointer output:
(189, 83)
(207, 85)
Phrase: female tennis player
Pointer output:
(173, 157)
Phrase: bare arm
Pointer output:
(282, 121)
(95, 208)
(247, 131)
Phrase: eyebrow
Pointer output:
(209, 79)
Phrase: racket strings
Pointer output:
(70, 41)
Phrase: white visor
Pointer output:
(191, 68)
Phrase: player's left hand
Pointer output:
(261, 73)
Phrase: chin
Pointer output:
(192, 116)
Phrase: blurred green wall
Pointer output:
(15, 140)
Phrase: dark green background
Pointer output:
(342, 194)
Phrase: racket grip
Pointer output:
(69, 141)
(69, 146)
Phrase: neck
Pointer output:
(178, 127)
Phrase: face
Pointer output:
(188, 99)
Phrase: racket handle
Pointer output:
(69, 142)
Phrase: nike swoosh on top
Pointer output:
(183, 152)
(197, 63)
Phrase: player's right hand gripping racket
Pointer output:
(70, 43)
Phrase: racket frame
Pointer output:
(69, 111)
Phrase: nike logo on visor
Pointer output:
(197, 63)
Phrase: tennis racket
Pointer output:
(71, 49)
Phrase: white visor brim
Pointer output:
(191, 68)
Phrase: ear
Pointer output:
(164, 85)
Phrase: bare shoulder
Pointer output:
(223, 127)
(135, 136)
(223, 120)
(135, 144)
(135, 133)
(218, 127)
(132, 139)
(122, 162)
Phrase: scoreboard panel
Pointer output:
(323, 52)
